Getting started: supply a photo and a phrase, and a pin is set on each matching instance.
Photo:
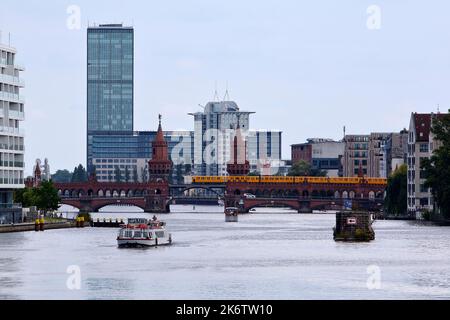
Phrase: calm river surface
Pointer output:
(269, 255)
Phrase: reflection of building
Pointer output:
(420, 146)
(214, 132)
(323, 154)
(11, 135)
(110, 65)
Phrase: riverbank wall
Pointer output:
(24, 227)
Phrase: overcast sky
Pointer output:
(306, 68)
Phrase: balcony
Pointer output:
(12, 97)
(12, 164)
(9, 130)
(4, 146)
(17, 115)
(15, 81)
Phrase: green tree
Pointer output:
(118, 174)
(62, 176)
(27, 197)
(437, 169)
(79, 174)
(396, 192)
(45, 197)
(304, 168)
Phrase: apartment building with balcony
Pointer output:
(11, 135)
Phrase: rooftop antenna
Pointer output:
(227, 95)
(344, 133)
(216, 95)
(9, 39)
(438, 109)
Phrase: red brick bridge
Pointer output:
(305, 197)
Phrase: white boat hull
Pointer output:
(133, 243)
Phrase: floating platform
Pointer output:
(355, 226)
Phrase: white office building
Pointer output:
(214, 130)
(11, 135)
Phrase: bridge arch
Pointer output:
(292, 204)
(97, 207)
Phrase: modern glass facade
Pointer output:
(110, 82)
(132, 152)
(11, 135)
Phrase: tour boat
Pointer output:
(143, 233)
(231, 214)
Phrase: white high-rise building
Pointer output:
(214, 130)
(11, 136)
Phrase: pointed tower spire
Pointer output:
(160, 165)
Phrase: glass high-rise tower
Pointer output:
(110, 82)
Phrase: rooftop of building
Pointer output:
(315, 141)
(110, 26)
(422, 125)
(222, 107)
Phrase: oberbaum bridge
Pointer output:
(303, 194)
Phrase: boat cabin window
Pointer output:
(128, 234)
(138, 234)
(159, 234)
(145, 234)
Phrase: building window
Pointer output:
(424, 147)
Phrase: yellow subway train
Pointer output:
(283, 179)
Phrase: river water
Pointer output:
(274, 254)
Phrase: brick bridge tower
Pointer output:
(238, 164)
(159, 167)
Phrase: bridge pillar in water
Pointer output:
(236, 201)
(304, 206)
(86, 206)
(157, 204)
